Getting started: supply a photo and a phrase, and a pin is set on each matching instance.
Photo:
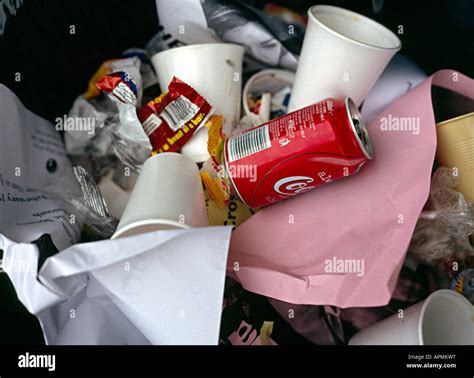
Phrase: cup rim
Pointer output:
(454, 120)
(148, 222)
(312, 16)
(199, 45)
(429, 299)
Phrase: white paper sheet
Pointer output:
(32, 159)
(164, 287)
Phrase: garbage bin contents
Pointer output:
(292, 154)
(181, 152)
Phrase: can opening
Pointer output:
(359, 128)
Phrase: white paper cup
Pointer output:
(213, 69)
(271, 81)
(343, 55)
(168, 194)
(444, 318)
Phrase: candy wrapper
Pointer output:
(130, 65)
(441, 235)
(121, 86)
(171, 119)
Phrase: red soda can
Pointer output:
(297, 152)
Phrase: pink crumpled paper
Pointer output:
(365, 220)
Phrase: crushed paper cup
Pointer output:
(168, 194)
(343, 55)
(444, 318)
(292, 250)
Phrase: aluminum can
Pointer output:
(297, 152)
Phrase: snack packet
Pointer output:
(121, 86)
(171, 119)
(131, 65)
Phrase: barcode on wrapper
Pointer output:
(178, 112)
(248, 143)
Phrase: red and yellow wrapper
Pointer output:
(171, 119)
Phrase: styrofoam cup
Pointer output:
(168, 194)
(270, 80)
(213, 69)
(343, 55)
(444, 318)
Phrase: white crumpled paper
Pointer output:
(164, 287)
(34, 172)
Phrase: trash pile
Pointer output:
(174, 204)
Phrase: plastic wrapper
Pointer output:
(114, 132)
(131, 145)
(171, 119)
(100, 113)
(120, 86)
(441, 236)
(130, 65)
